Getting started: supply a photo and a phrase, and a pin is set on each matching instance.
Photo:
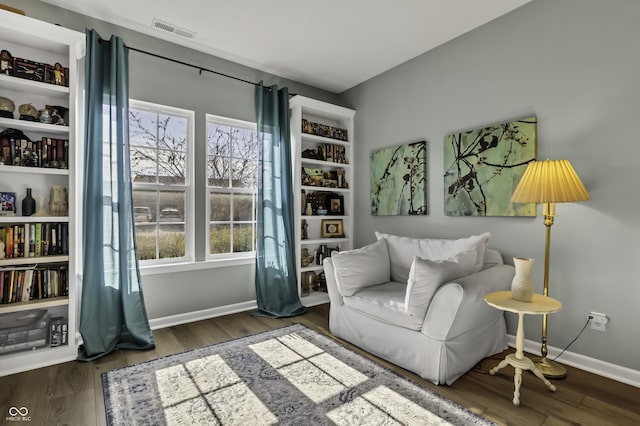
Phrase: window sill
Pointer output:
(195, 266)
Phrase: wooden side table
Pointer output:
(539, 305)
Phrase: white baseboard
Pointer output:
(203, 314)
(592, 365)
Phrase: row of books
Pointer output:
(48, 152)
(324, 130)
(35, 239)
(334, 153)
(33, 282)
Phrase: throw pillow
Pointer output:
(426, 276)
(363, 267)
(402, 250)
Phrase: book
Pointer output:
(28, 282)
(58, 331)
(32, 240)
(64, 235)
(11, 287)
(38, 240)
(9, 242)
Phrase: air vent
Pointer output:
(170, 28)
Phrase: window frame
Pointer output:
(189, 187)
(233, 256)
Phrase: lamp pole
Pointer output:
(548, 368)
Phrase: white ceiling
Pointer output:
(330, 44)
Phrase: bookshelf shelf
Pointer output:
(306, 137)
(8, 82)
(20, 261)
(35, 304)
(34, 170)
(33, 126)
(34, 219)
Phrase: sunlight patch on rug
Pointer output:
(318, 375)
(207, 391)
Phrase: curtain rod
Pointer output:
(199, 68)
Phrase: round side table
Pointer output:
(539, 305)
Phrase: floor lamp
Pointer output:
(549, 182)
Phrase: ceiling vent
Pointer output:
(170, 28)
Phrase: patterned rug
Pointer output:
(289, 376)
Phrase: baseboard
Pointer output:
(592, 365)
(203, 314)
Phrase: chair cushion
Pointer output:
(384, 302)
(426, 276)
(363, 267)
(402, 250)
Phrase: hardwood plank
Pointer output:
(76, 409)
(617, 415)
(71, 393)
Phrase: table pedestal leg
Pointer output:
(539, 375)
(499, 367)
(517, 381)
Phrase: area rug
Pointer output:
(290, 376)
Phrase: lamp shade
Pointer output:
(549, 181)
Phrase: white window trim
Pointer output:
(226, 258)
(189, 213)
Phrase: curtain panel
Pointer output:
(112, 311)
(276, 279)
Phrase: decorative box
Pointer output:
(30, 70)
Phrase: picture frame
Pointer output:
(335, 204)
(332, 228)
(8, 205)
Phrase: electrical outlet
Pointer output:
(598, 321)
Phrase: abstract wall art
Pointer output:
(399, 180)
(483, 167)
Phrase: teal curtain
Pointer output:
(112, 311)
(276, 282)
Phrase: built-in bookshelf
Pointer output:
(40, 148)
(322, 147)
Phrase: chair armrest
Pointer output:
(332, 286)
(459, 306)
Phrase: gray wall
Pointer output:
(164, 82)
(575, 64)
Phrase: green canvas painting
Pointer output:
(483, 167)
(398, 180)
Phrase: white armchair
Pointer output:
(419, 303)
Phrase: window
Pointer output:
(232, 172)
(161, 141)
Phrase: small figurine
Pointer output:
(6, 107)
(58, 74)
(6, 62)
(45, 116)
(28, 112)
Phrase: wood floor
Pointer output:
(71, 393)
